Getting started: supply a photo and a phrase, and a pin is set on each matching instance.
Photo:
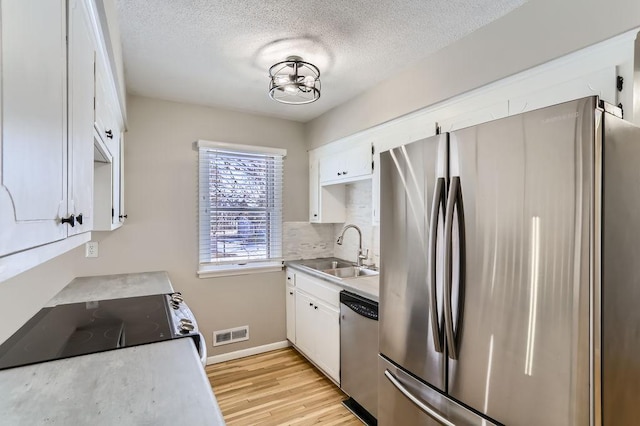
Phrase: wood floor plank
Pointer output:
(277, 388)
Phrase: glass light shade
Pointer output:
(294, 81)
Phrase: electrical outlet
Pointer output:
(91, 249)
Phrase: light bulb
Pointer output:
(281, 80)
(291, 89)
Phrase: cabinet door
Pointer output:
(327, 327)
(351, 164)
(33, 165)
(305, 324)
(314, 189)
(103, 113)
(114, 146)
(332, 167)
(357, 161)
(291, 313)
(375, 188)
(108, 188)
(122, 216)
(81, 98)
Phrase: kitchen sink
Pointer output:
(350, 272)
(337, 268)
(325, 264)
(335, 264)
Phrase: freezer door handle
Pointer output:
(454, 203)
(436, 322)
(424, 407)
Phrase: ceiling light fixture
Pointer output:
(294, 82)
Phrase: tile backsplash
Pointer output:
(304, 240)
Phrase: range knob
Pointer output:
(186, 326)
(177, 297)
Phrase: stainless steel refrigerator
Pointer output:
(510, 273)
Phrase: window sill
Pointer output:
(209, 271)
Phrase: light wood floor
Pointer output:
(277, 388)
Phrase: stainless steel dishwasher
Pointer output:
(359, 355)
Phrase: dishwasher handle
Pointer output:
(360, 305)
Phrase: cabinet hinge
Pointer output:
(373, 163)
(619, 83)
(373, 149)
(438, 129)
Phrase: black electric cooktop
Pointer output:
(75, 329)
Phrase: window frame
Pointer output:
(210, 269)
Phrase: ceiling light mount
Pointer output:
(294, 81)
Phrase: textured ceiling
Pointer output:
(217, 53)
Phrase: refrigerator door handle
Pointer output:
(454, 200)
(436, 322)
(424, 407)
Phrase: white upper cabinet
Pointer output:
(330, 168)
(347, 165)
(326, 203)
(49, 50)
(106, 122)
(108, 185)
(33, 168)
(314, 188)
(81, 89)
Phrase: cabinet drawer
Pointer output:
(327, 292)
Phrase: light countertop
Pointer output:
(85, 289)
(155, 384)
(366, 286)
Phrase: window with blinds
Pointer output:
(240, 206)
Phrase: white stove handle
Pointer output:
(202, 349)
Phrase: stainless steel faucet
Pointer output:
(360, 256)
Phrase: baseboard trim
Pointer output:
(216, 359)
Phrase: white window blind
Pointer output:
(240, 208)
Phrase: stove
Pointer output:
(74, 329)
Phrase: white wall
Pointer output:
(535, 33)
(27, 293)
(161, 202)
(161, 231)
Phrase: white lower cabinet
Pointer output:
(317, 323)
(290, 296)
(327, 355)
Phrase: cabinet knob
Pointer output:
(71, 220)
(79, 219)
(339, 174)
(291, 293)
(289, 278)
(315, 307)
(344, 173)
(310, 304)
(124, 216)
(315, 215)
(109, 133)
